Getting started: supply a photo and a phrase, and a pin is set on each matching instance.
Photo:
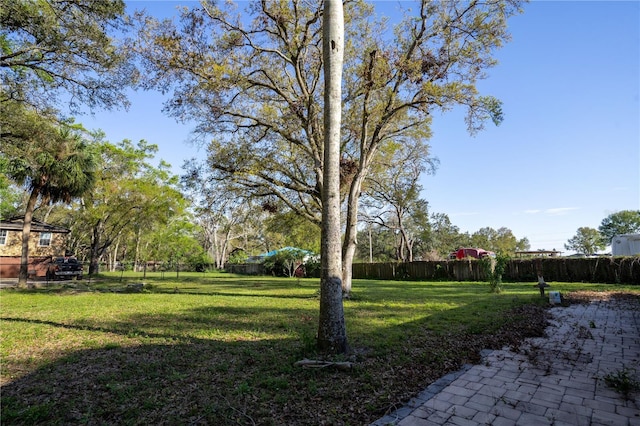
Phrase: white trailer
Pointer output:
(626, 245)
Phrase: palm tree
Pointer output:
(58, 168)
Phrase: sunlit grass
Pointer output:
(223, 307)
(241, 333)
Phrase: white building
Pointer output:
(626, 245)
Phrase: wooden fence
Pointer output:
(623, 270)
(245, 268)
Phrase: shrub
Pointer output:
(494, 268)
(285, 262)
(237, 256)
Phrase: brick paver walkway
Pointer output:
(555, 380)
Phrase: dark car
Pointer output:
(65, 267)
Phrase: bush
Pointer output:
(237, 256)
(199, 262)
(494, 268)
(285, 262)
(312, 269)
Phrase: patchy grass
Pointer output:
(623, 381)
(219, 349)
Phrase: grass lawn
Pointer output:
(219, 349)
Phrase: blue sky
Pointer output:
(566, 156)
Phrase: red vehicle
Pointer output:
(476, 253)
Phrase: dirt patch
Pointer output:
(591, 296)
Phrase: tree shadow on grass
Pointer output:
(242, 322)
(145, 377)
(171, 377)
(195, 383)
(225, 294)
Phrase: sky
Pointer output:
(566, 156)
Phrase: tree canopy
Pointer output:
(131, 196)
(586, 241)
(392, 194)
(622, 222)
(502, 241)
(53, 51)
(252, 84)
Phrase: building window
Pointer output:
(3, 237)
(45, 239)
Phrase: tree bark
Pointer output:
(94, 256)
(370, 247)
(26, 232)
(351, 233)
(112, 267)
(136, 256)
(100, 245)
(332, 336)
(216, 247)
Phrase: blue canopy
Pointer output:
(273, 252)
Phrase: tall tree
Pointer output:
(49, 48)
(586, 241)
(225, 217)
(294, 230)
(622, 222)
(55, 164)
(393, 193)
(377, 243)
(444, 236)
(157, 200)
(255, 89)
(175, 244)
(332, 334)
(9, 194)
(130, 193)
(501, 241)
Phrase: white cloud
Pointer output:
(559, 211)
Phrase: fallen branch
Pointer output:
(314, 363)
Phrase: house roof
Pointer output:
(15, 224)
(628, 236)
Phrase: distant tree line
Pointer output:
(589, 241)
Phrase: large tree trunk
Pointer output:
(370, 246)
(409, 244)
(112, 267)
(350, 235)
(136, 255)
(100, 245)
(216, 247)
(26, 232)
(225, 247)
(332, 335)
(95, 249)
